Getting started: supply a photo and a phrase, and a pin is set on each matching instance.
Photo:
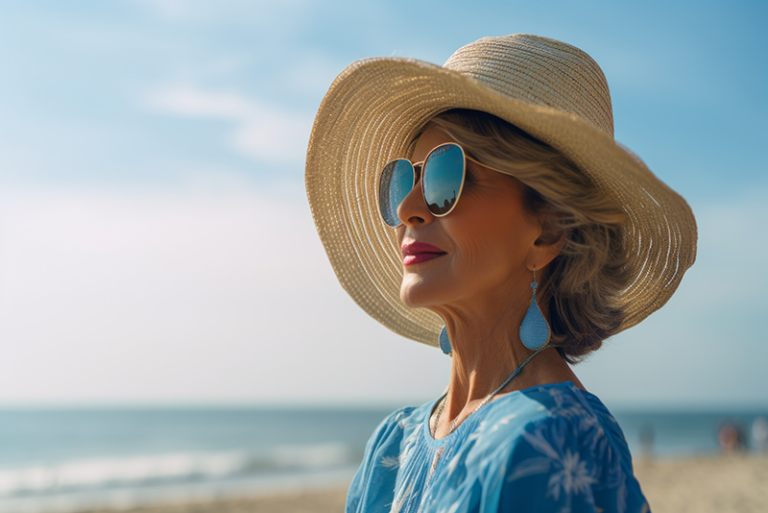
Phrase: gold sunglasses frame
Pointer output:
(416, 176)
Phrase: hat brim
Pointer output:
(371, 114)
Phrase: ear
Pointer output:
(544, 250)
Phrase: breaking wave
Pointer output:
(147, 470)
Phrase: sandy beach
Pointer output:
(737, 484)
(704, 485)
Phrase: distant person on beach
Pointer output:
(646, 441)
(730, 438)
(760, 434)
(484, 207)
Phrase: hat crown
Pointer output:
(539, 71)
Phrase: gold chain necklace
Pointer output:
(455, 423)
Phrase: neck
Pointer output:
(482, 358)
(487, 350)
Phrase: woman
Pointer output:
(485, 207)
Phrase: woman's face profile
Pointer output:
(486, 244)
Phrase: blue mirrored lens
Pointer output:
(394, 185)
(443, 177)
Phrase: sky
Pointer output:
(156, 246)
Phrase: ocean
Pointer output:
(58, 460)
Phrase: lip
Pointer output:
(417, 252)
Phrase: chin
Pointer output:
(418, 292)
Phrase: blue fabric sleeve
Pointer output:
(383, 448)
(562, 464)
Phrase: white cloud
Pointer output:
(313, 73)
(260, 131)
(192, 295)
(225, 11)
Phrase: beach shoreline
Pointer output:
(705, 484)
(327, 500)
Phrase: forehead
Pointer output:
(430, 139)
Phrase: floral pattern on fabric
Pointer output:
(548, 448)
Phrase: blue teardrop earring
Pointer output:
(534, 330)
(445, 342)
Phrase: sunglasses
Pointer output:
(443, 173)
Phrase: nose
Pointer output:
(413, 210)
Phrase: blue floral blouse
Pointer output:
(553, 448)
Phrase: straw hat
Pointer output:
(551, 90)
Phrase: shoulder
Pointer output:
(583, 417)
(399, 424)
(384, 453)
(571, 428)
(573, 450)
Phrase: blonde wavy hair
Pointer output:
(581, 285)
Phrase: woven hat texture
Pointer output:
(551, 90)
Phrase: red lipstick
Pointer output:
(418, 252)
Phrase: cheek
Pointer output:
(498, 240)
(476, 247)
(484, 259)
